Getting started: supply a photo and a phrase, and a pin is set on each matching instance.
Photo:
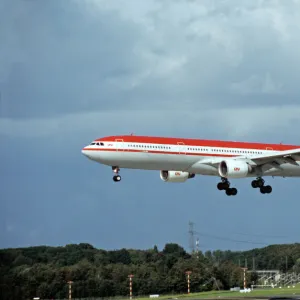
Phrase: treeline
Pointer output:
(274, 257)
(44, 271)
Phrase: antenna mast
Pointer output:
(191, 234)
(197, 247)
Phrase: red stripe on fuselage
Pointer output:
(196, 142)
(156, 152)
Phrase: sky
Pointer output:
(75, 70)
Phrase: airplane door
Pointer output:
(181, 148)
(119, 145)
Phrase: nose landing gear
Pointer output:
(116, 177)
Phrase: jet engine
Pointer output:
(234, 169)
(175, 176)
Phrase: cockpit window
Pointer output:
(98, 144)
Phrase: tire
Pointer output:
(262, 190)
(220, 186)
(117, 178)
(228, 192)
(254, 184)
(268, 189)
(226, 185)
(233, 191)
(260, 183)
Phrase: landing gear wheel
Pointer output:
(228, 192)
(262, 190)
(258, 183)
(220, 186)
(224, 185)
(117, 178)
(266, 189)
(231, 191)
(254, 184)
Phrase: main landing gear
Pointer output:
(260, 183)
(225, 185)
(116, 177)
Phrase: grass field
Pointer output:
(231, 295)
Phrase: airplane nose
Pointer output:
(84, 152)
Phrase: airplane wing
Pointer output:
(275, 159)
(278, 158)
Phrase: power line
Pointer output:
(261, 235)
(229, 239)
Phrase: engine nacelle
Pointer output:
(234, 169)
(175, 176)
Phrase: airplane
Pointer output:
(180, 159)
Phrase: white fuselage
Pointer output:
(180, 157)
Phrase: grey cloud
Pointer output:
(77, 57)
(227, 43)
(229, 123)
(67, 58)
(256, 85)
